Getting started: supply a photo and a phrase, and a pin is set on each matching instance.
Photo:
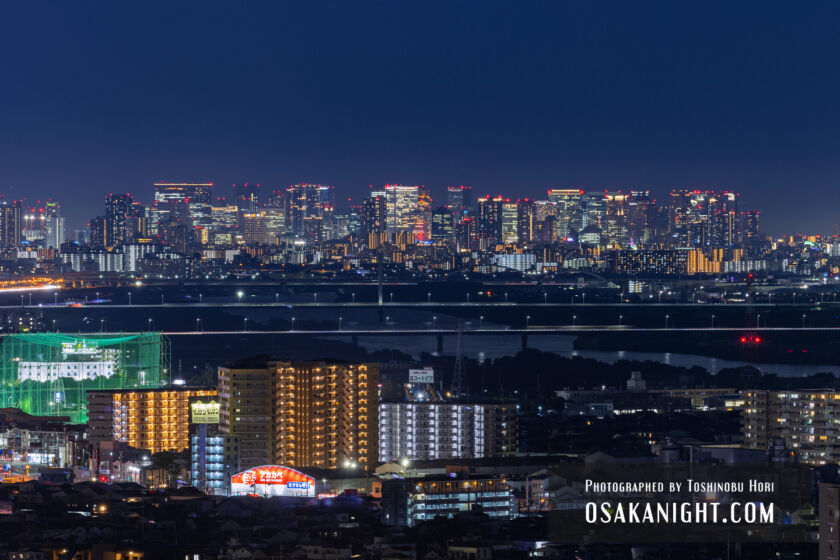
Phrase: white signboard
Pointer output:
(425, 375)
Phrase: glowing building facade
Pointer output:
(301, 414)
(153, 419)
(48, 374)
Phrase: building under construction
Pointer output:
(48, 374)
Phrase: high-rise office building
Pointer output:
(750, 232)
(510, 222)
(254, 230)
(526, 220)
(403, 208)
(170, 197)
(459, 201)
(246, 196)
(490, 220)
(99, 232)
(10, 225)
(723, 213)
(569, 211)
(55, 225)
(443, 224)
(224, 224)
(615, 219)
(309, 211)
(374, 220)
(122, 213)
(593, 210)
(640, 217)
(679, 218)
(153, 419)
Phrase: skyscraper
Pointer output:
(443, 224)
(374, 220)
(55, 225)
(403, 207)
(196, 197)
(459, 201)
(593, 210)
(640, 216)
(510, 222)
(489, 221)
(246, 196)
(569, 211)
(10, 225)
(122, 213)
(309, 211)
(615, 227)
(679, 220)
(526, 222)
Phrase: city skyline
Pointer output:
(505, 100)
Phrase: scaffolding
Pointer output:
(48, 374)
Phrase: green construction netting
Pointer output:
(48, 374)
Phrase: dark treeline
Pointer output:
(533, 376)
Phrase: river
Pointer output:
(492, 347)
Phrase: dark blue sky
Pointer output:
(111, 96)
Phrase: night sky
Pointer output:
(512, 98)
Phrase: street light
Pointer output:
(803, 320)
(129, 298)
(574, 318)
(161, 299)
(620, 317)
(468, 297)
(101, 325)
(505, 297)
(429, 297)
(198, 324)
(339, 322)
(392, 297)
(527, 321)
(480, 321)
(387, 320)
(666, 320)
(200, 298)
(150, 324)
(758, 321)
(245, 324)
(545, 297)
(315, 297)
(354, 297)
(276, 298)
(713, 321)
(239, 295)
(434, 322)
(293, 323)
